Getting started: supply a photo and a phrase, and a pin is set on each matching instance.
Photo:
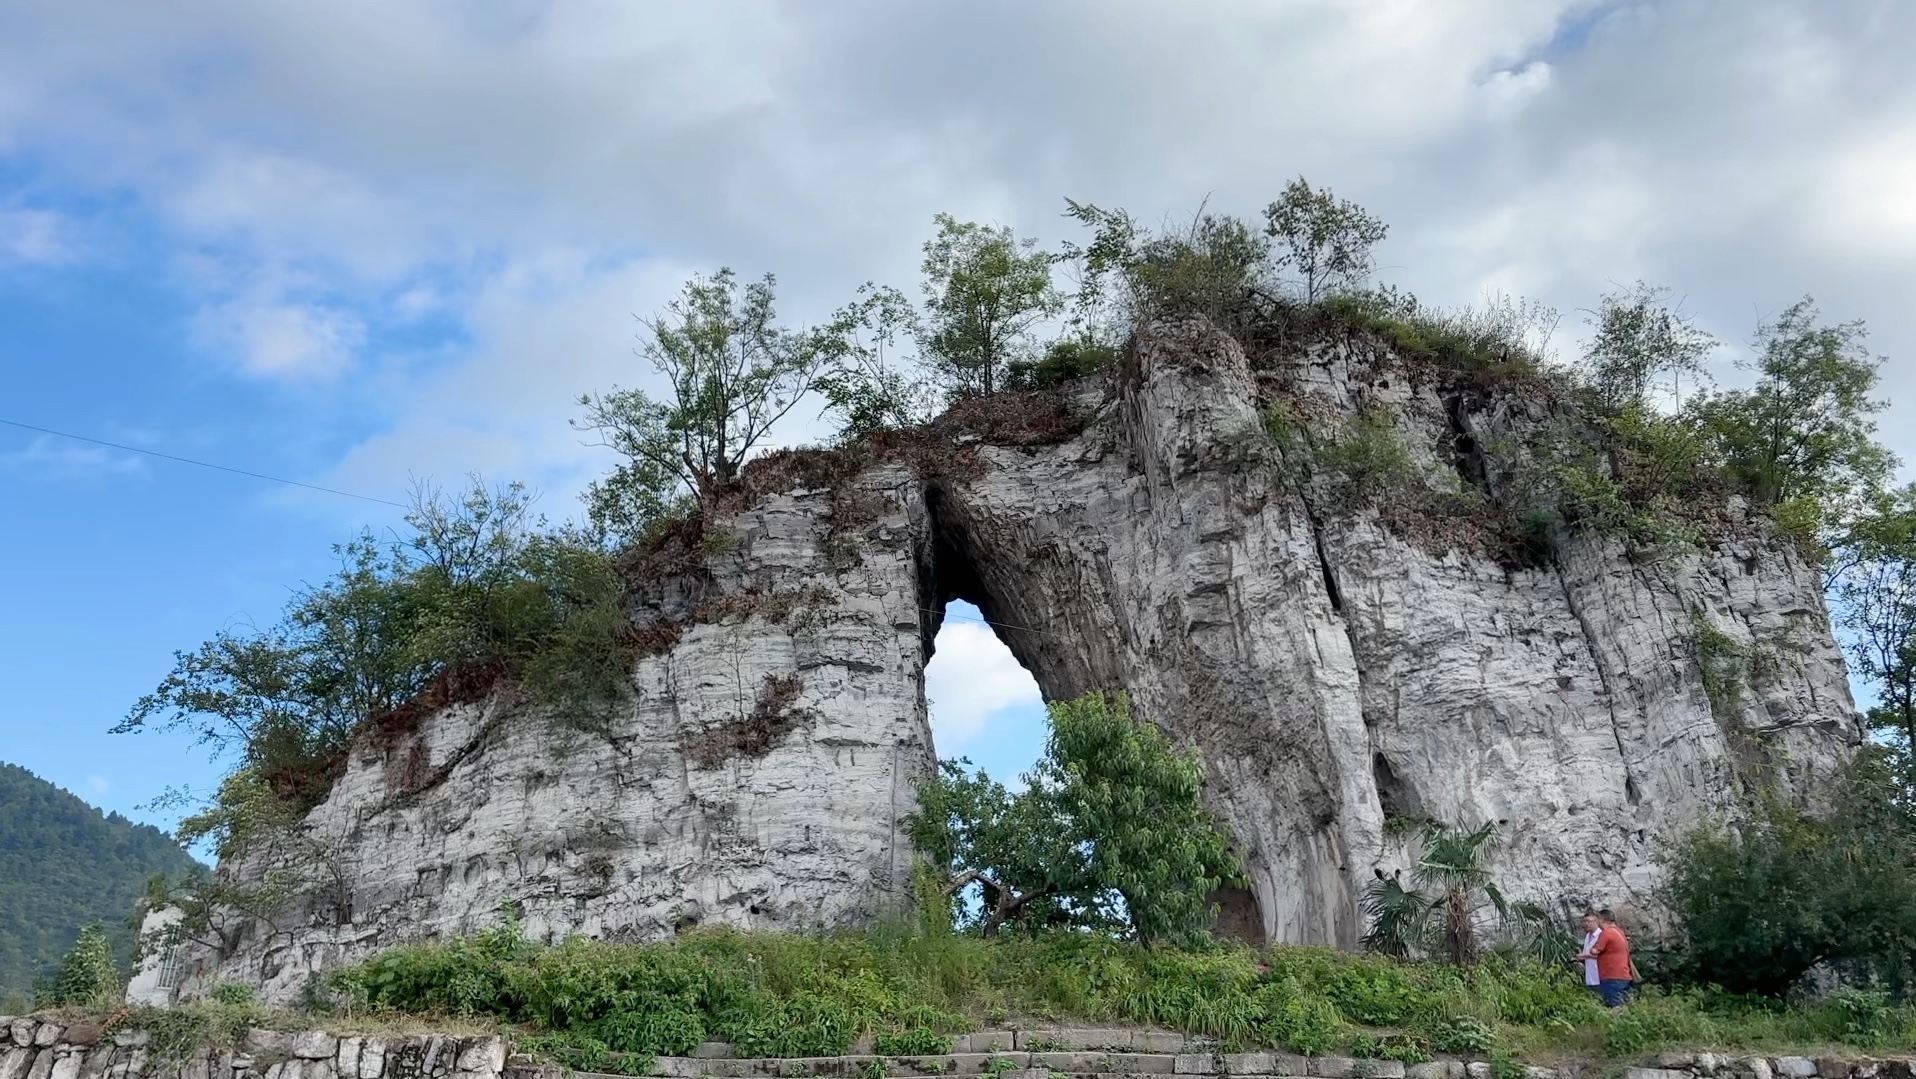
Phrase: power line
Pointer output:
(986, 621)
(201, 464)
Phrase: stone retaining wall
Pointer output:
(47, 1048)
(44, 1048)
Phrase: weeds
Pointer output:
(586, 1002)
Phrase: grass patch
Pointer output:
(770, 995)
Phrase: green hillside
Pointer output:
(63, 864)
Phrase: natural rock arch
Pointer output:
(1330, 664)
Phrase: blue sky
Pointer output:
(358, 242)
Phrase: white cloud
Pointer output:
(534, 175)
(49, 457)
(35, 237)
(328, 178)
(269, 337)
(97, 785)
(971, 680)
(1867, 204)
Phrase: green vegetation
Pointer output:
(1324, 242)
(1129, 275)
(65, 865)
(478, 593)
(778, 995)
(1802, 438)
(179, 1034)
(88, 977)
(1759, 906)
(1453, 872)
(1062, 362)
(1109, 834)
(985, 290)
(1874, 582)
(1345, 464)
(734, 373)
(1638, 339)
(1506, 337)
(1722, 663)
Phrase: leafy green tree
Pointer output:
(985, 290)
(1213, 267)
(1801, 438)
(1758, 905)
(1023, 867)
(88, 977)
(873, 386)
(1874, 584)
(733, 373)
(1111, 832)
(1136, 805)
(1641, 339)
(475, 586)
(1324, 242)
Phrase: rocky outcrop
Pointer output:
(1336, 661)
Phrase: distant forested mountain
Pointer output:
(63, 864)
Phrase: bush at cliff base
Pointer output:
(1784, 891)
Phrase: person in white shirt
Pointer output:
(1592, 926)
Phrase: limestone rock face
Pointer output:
(1332, 672)
(755, 778)
(1333, 665)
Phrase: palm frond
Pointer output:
(1400, 919)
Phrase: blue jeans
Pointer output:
(1614, 991)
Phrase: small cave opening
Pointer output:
(1394, 796)
(1467, 454)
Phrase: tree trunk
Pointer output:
(1458, 933)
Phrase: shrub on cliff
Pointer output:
(733, 373)
(478, 590)
(1110, 833)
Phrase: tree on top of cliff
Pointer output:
(1802, 439)
(1127, 274)
(984, 291)
(1110, 833)
(1640, 338)
(733, 374)
(1325, 242)
(477, 591)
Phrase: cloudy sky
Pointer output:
(355, 242)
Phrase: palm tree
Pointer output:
(1457, 864)
(1452, 870)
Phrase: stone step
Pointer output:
(710, 1064)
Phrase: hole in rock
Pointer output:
(984, 704)
(1394, 796)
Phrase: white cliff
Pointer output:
(1333, 664)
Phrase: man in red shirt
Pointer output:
(1611, 951)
